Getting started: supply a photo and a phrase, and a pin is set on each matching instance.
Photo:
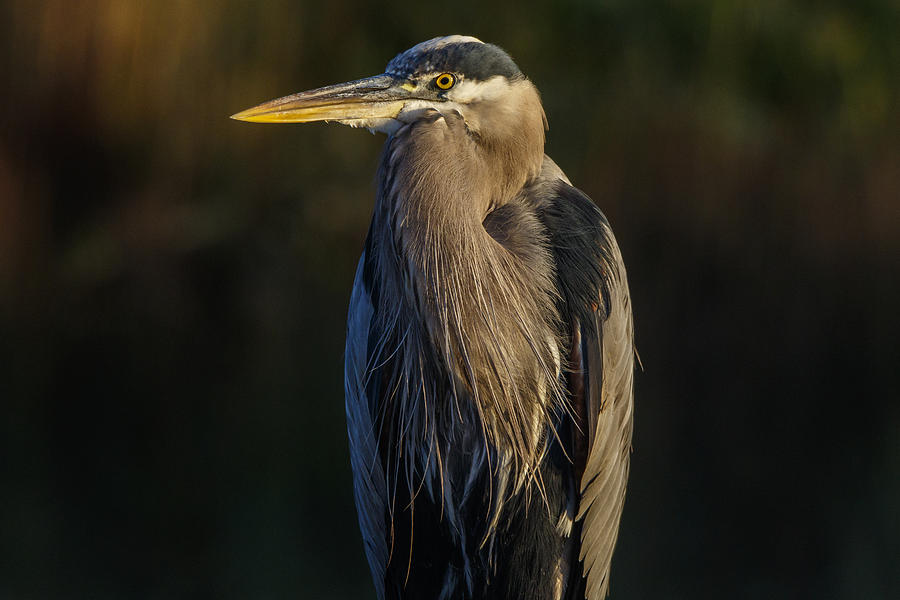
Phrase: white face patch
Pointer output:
(467, 91)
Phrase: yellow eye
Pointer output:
(445, 81)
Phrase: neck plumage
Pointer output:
(486, 314)
(444, 172)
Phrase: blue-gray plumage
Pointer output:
(489, 359)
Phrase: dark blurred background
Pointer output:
(173, 286)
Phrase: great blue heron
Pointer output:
(489, 357)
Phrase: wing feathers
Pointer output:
(606, 474)
(594, 290)
(368, 475)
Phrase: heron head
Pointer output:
(453, 73)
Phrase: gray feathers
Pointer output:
(368, 473)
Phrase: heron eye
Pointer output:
(445, 81)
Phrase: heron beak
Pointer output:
(360, 103)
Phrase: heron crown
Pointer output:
(464, 55)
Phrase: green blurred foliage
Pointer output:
(173, 286)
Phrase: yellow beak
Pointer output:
(361, 103)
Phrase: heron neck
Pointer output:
(445, 171)
(437, 183)
(509, 130)
(488, 312)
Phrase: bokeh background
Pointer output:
(173, 286)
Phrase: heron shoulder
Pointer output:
(584, 251)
